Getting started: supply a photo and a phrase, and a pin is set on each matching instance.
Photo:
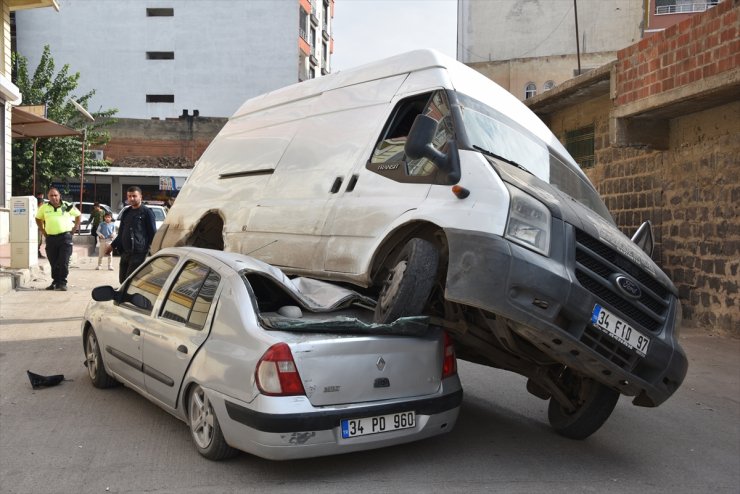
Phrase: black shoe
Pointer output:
(51, 287)
(61, 288)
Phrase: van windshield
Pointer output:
(494, 134)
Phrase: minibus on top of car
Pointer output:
(437, 192)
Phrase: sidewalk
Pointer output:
(12, 278)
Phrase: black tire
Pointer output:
(409, 283)
(204, 427)
(94, 362)
(595, 404)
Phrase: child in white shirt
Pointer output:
(106, 233)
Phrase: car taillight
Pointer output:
(277, 374)
(449, 364)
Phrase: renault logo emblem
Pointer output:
(628, 287)
(380, 364)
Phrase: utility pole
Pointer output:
(578, 45)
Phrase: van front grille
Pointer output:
(597, 264)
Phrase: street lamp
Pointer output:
(89, 117)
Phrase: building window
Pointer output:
(580, 145)
(160, 55)
(548, 85)
(302, 23)
(683, 6)
(160, 98)
(530, 90)
(160, 12)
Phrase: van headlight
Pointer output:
(529, 222)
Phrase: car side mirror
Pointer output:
(103, 293)
(643, 237)
(419, 145)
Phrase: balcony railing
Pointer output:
(685, 8)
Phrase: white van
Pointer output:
(440, 193)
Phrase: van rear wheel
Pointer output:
(594, 404)
(409, 283)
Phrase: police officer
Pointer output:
(57, 220)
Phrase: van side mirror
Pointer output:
(643, 237)
(419, 145)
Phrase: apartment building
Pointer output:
(530, 47)
(156, 58)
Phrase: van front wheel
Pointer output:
(409, 283)
(594, 404)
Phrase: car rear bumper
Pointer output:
(303, 431)
(550, 308)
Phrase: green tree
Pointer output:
(57, 157)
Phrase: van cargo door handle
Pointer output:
(182, 349)
(136, 332)
(335, 186)
(351, 184)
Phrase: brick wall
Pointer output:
(690, 190)
(180, 141)
(702, 46)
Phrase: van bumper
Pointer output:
(548, 307)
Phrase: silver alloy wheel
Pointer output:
(201, 417)
(92, 355)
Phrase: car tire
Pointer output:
(409, 283)
(204, 427)
(94, 362)
(595, 403)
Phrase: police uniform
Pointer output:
(58, 224)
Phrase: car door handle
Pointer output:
(136, 332)
(182, 349)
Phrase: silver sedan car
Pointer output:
(255, 361)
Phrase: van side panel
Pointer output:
(316, 165)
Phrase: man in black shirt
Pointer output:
(135, 234)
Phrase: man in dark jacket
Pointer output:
(135, 234)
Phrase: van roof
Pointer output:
(461, 77)
(399, 64)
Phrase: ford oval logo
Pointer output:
(628, 287)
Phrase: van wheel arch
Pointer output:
(208, 232)
(418, 243)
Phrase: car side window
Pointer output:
(191, 296)
(144, 288)
(389, 158)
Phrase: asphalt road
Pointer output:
(74, 438)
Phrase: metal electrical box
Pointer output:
(24, 233)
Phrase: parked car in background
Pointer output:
(160, 213)
(254, 361)
(86, 209)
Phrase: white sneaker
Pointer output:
(110, 268)
(97, 269)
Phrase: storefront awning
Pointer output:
(26, 125)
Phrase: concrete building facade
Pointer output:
(530, 46)
(153, 59)
(658, 132)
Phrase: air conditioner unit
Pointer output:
(97, 154)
